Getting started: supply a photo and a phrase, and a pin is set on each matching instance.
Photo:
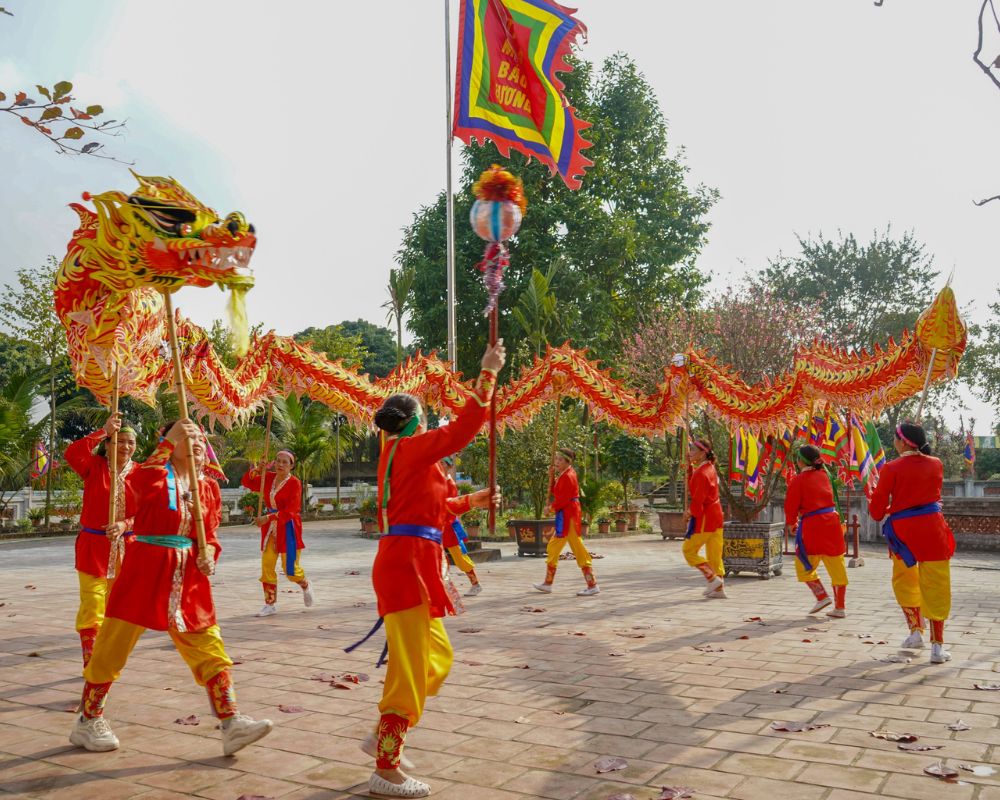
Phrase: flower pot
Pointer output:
(584, 528)
(532, 535)
(621, 525)
(604, 527)
(633, 520)
(672, 524)
(473, 531)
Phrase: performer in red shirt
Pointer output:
(704, 519)
(811, 508)
(920, 542)
(453, 535)
(565, 490)
(163, 585)
(100, 545)
(280, 530)
(410, 568)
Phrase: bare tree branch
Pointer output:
(987, 200)
(976, 56)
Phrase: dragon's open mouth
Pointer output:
(223, 259)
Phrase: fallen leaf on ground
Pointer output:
(352, 677)
(940, 770)
(797, 727)
(470, 630)
(30, 586)
(959, 725)
(290, 709)
(707, 648)
(987, 687)
(779, 691)
(576, 633)
(72, 708)
(754, 619)
(626, 796)
(618, 652)
(532, 609)
(814, 629)
(982, 770)
(189, 720)
(744, 637)
(325, 627)
(522, 720)
(872, 641)
(919, 747)
(610, 764)
(674, 793)
(898, 658)
(473, 663)
(254, 797)
(33, 654)
(807, 641)
(892, 736)
(630, 635)
(522, 666)
(360, 604)
(237, 661)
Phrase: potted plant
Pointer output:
(592, 491)
(368, 509)
(66, 523)
(249, 502)
(627, 456)
(473, 523)
(603, 525)
(36, 515)
(621, 524)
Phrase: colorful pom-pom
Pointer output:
(497, 183)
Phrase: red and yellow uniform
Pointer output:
(161, 587)
(705, 523)
(451, 539)
(810, 508)
(281, 534)
(565, 491)
(920, 542)
(409, 569)
(95, 566)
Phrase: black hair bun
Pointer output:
(391, 420)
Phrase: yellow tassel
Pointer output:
(237, 310)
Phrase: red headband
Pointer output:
(899, 433)
(291, 456)
(701, 446)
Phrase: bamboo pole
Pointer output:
(175, 354)
(555, 437)
(263, 461)
(113, 456)
(927, 385)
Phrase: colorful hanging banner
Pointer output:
(506, 88)
(40, 461)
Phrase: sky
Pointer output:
(324, 122)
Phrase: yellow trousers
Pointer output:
(712, 542)
(269, 560)
(462, 561)
(420, 658)
(93, 600)
(834, 567)
(926, 585)
(203, 652)
(556, 546)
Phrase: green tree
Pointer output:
(627, 457)
(400, 286)
(29, 314)
(627, 239)
(223, 342)
(982, 359)
(16, 357)
(334, 344)
(379, 348)
(536, 308)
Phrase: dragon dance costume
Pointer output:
(409, 570)
(161, 587)
(565, 491)
(453, 535)
(705, 527)
(920, 542)
(810, 507)
(97, 559)
(281, 534)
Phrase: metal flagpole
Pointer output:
(449, 198)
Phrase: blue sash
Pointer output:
(896, 545)
(460, 534)
(560, 521)
(103, 533)
(291, 549)
(800, 545)
(690, 528)
(420, 531)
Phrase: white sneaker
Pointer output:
(475, 590)
(914, 641)
(241, 730)
(715, 583)
(719, 594)
(370, 747)
(307, 596)
(590, 590)
(938, 654)
(543, 587)
(821, 604)
(411, 787)
(93, 734)
(268, 610)
(837, 613)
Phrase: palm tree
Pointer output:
(400, 285)
(536, 311)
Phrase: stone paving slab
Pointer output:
(685, 689)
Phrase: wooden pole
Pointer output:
(555, 434)
(263, 461)
(685, 435)
(492, 517)
(113, 457)
(182, 408)
(927, 385)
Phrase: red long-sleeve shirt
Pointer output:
(823, 534)
(906, 482)
(141, 593)
(704, 505)
(455, 506)
(93, 550)
(565, 491)
(408, 569)
(288, 504)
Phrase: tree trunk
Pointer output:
(52, 439)
(399, 336)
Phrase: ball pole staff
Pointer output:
(175, 353)
(492, 517)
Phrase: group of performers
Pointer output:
(142, 569)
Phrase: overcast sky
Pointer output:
(324, 123)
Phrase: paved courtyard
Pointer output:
(684, 690)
